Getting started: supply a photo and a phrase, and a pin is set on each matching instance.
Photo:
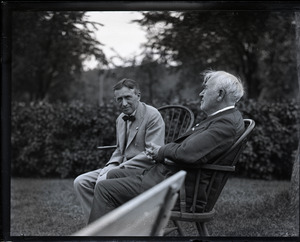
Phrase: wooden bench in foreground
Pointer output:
(144, 215)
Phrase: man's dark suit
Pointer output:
(201, 145)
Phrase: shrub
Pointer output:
(271, 149)
(60, 140)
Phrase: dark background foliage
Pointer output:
(48, 49)
(258, 46)
(60, 140)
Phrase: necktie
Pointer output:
(125, 140)
(128, 118)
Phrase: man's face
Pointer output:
(209, 97)
(127, 99)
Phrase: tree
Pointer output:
(295, 174)
(254, 44)
(48, 49)
(149, 73)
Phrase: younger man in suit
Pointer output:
(137, 127)
(202, 144)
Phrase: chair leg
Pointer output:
(179, 227)
(202, 229)
(169, 230)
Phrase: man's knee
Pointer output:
(76, 183)
(79, 182)
(114, 173)
(123, 172)
(101, 188)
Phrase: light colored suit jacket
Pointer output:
(147, 128)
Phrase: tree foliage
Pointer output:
(48, 49)
(294, 191)
(256, 45)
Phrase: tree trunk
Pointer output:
(101, 87)
(294, 192)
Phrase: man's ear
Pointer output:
(221, 94)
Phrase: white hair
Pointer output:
(232, 85)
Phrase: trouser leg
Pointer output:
(111, 193)
(84, 189)
(122, 185)
(123, 172)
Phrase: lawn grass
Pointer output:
(246, 208)
(44, 207)
(255, 208)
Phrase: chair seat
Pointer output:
(199, 217)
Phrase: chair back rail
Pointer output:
(178, 119)
(220, 176)
(230, 155)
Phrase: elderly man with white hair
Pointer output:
(200, 145)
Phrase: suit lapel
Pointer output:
(122, 130)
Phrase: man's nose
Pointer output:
(124, 102)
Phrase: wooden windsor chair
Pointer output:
(218, 172)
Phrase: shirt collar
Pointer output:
(221, 110)
(132, 114)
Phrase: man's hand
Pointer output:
(152, 151)
(107, 168)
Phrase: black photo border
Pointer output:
(7, 7)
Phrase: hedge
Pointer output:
(60, 140)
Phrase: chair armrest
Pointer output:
(107, 147)
(206, 166)
(217, 167)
